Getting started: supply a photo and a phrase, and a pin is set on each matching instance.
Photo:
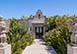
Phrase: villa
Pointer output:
(36, 24)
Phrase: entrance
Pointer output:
(38, 32)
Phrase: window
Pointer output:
(39, 16)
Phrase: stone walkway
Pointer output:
(38, 47)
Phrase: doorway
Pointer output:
(38, 32)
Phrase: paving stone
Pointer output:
(38, 48)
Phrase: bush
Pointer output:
(18, 37)
(58, 34)
(58, 38)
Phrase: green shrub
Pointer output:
(58, 34)
(58, 38)
(18, 37)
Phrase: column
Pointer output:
(37, 29)
(43, 30)
(29, 29)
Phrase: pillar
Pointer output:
(5, 48)
(37, 29)
(43, 30)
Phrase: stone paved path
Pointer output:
(38, 47)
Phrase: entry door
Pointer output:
(36, 32)
(39, 32)
(42, 30)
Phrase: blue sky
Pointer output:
(18, 8)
